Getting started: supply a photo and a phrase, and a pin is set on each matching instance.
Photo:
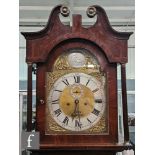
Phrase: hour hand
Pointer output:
(75, 113)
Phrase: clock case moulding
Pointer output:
(100, 38)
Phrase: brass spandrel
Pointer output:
(62, 63)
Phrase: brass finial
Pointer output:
(64, 10)
(91, 11)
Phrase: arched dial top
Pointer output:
(77, 101)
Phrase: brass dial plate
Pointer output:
(75, 93)
(100, 124)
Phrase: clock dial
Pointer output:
(76, 101)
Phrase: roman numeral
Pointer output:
(65, 82)
(58, 90)
(77, 79)
(57, 112)
(96, 112)
(78, 124)
(95, 90)
(65, 121)
(55, 101)
(98, 100)
(87, 82)
(89, 120)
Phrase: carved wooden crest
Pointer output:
(112, 43)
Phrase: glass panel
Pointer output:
(120, 109)
(131, 108)
(23, 109)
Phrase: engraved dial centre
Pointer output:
(77, 95)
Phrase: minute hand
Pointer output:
(78, 112)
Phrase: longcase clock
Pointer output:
(76, 84)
